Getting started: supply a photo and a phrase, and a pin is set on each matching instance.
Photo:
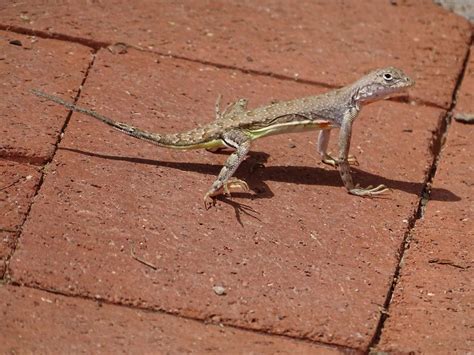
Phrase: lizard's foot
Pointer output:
(234, 184)
(329, 160)
(209, 200)
(369, 191)
(231, 185)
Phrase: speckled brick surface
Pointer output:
(18, 184)
(330, 42)
(295, 256)
(77, 326)
(432, 310)
(30, 131)
(118, 226)
(465, 97)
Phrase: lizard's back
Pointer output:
(321, 107)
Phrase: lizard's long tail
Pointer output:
(166, 140)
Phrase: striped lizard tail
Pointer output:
(166, 140)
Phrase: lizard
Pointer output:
(237, 126)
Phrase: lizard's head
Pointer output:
(380, 84)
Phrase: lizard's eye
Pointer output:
(388, 77)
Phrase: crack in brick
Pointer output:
(442, 134)
(8, 280)
(45, 162)
(344, 349)
(20, 158)
(97, 45)
(436, 146)
(8, 230)
(448, 263)
(438, 141)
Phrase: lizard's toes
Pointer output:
(209, 201)
(369, 191)
(352, 160)
(381, 189)
(330, 161)
(232, 185)
(235, 184)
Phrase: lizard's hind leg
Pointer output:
(225, 183)
(234, 108)
(326, 158)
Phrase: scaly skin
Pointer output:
(236, 127)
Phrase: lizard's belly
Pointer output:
(290, 127)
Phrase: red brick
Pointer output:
(465, 97)
(35, 321)
(29, 130)
(7, 243)
(432, 307)
(18, 184)
(332, 42)
(301, 257)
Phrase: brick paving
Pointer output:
(436, 282)
(106, 246)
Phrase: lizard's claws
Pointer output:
(231, 185)
(352, 160)
(209, 201)
(369, 191)
(329, 160)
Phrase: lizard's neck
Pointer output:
(351, 95)
(364, 92)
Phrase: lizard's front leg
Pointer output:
(224, 182)
(343, 164)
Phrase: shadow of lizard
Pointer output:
(257, 173)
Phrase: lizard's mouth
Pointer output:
(407, 83)
(401, 93)
(401, 88)
(398, 91)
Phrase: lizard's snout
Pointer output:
(409, 82)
